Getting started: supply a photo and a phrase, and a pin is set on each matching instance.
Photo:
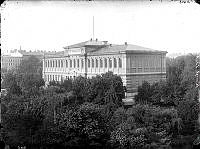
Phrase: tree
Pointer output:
(29, 76)
(22, 120)
(144, 126)
(29, 82)
(10, 83)
(30, 65)
(188, 111)
(81, 127)
(181, 77)
(144, 93)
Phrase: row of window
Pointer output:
(146, 61)
(53, 77)
(13, 64)
(76, 63)
(49, 78)
(151, 69)
(12, 60)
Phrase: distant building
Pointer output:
(39, 54)
(133, 63)
(12, 60)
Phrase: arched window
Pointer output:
(105, 62)
(97, 63)
(66, 64)
(101, 63)
(82, 63)
(70, 61)
(74, 63)
(120, 63)
(78, 63)
(92, 63)
(88, 63)
(115, 63)
(110, 63)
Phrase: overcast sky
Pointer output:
(47, 25)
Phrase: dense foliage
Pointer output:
(89, 113)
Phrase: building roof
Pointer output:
(81, 44)
(13, 54)
(88, 43)
(103, 47)
(124, 48)
(56, 54)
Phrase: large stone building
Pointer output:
(133, 63)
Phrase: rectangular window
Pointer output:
(61, 63)
(78, 63)
(139, 69)
(82, 63)
(110, 63)
(74, 63)
(134, 70)
(152, 69)
(66, 63)
(97, 65)
(101, 63)
(70, 61)
(88, 63)
(146, 69)
(92, 63)
(115, 63)
(120, 63)
(58, 63)
(105, 62)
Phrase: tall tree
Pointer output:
(30, 65)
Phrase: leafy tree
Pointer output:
(67, 84)
(30, 65)
(22, 120)
(145, 126)
(30, 82)
(144, 93)
(82, 127)
(181, 76)
(188, 111)
(10, 83)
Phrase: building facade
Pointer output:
(11, 61)
(133, 63)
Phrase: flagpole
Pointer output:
(93, 27)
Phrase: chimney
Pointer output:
(125, 43)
